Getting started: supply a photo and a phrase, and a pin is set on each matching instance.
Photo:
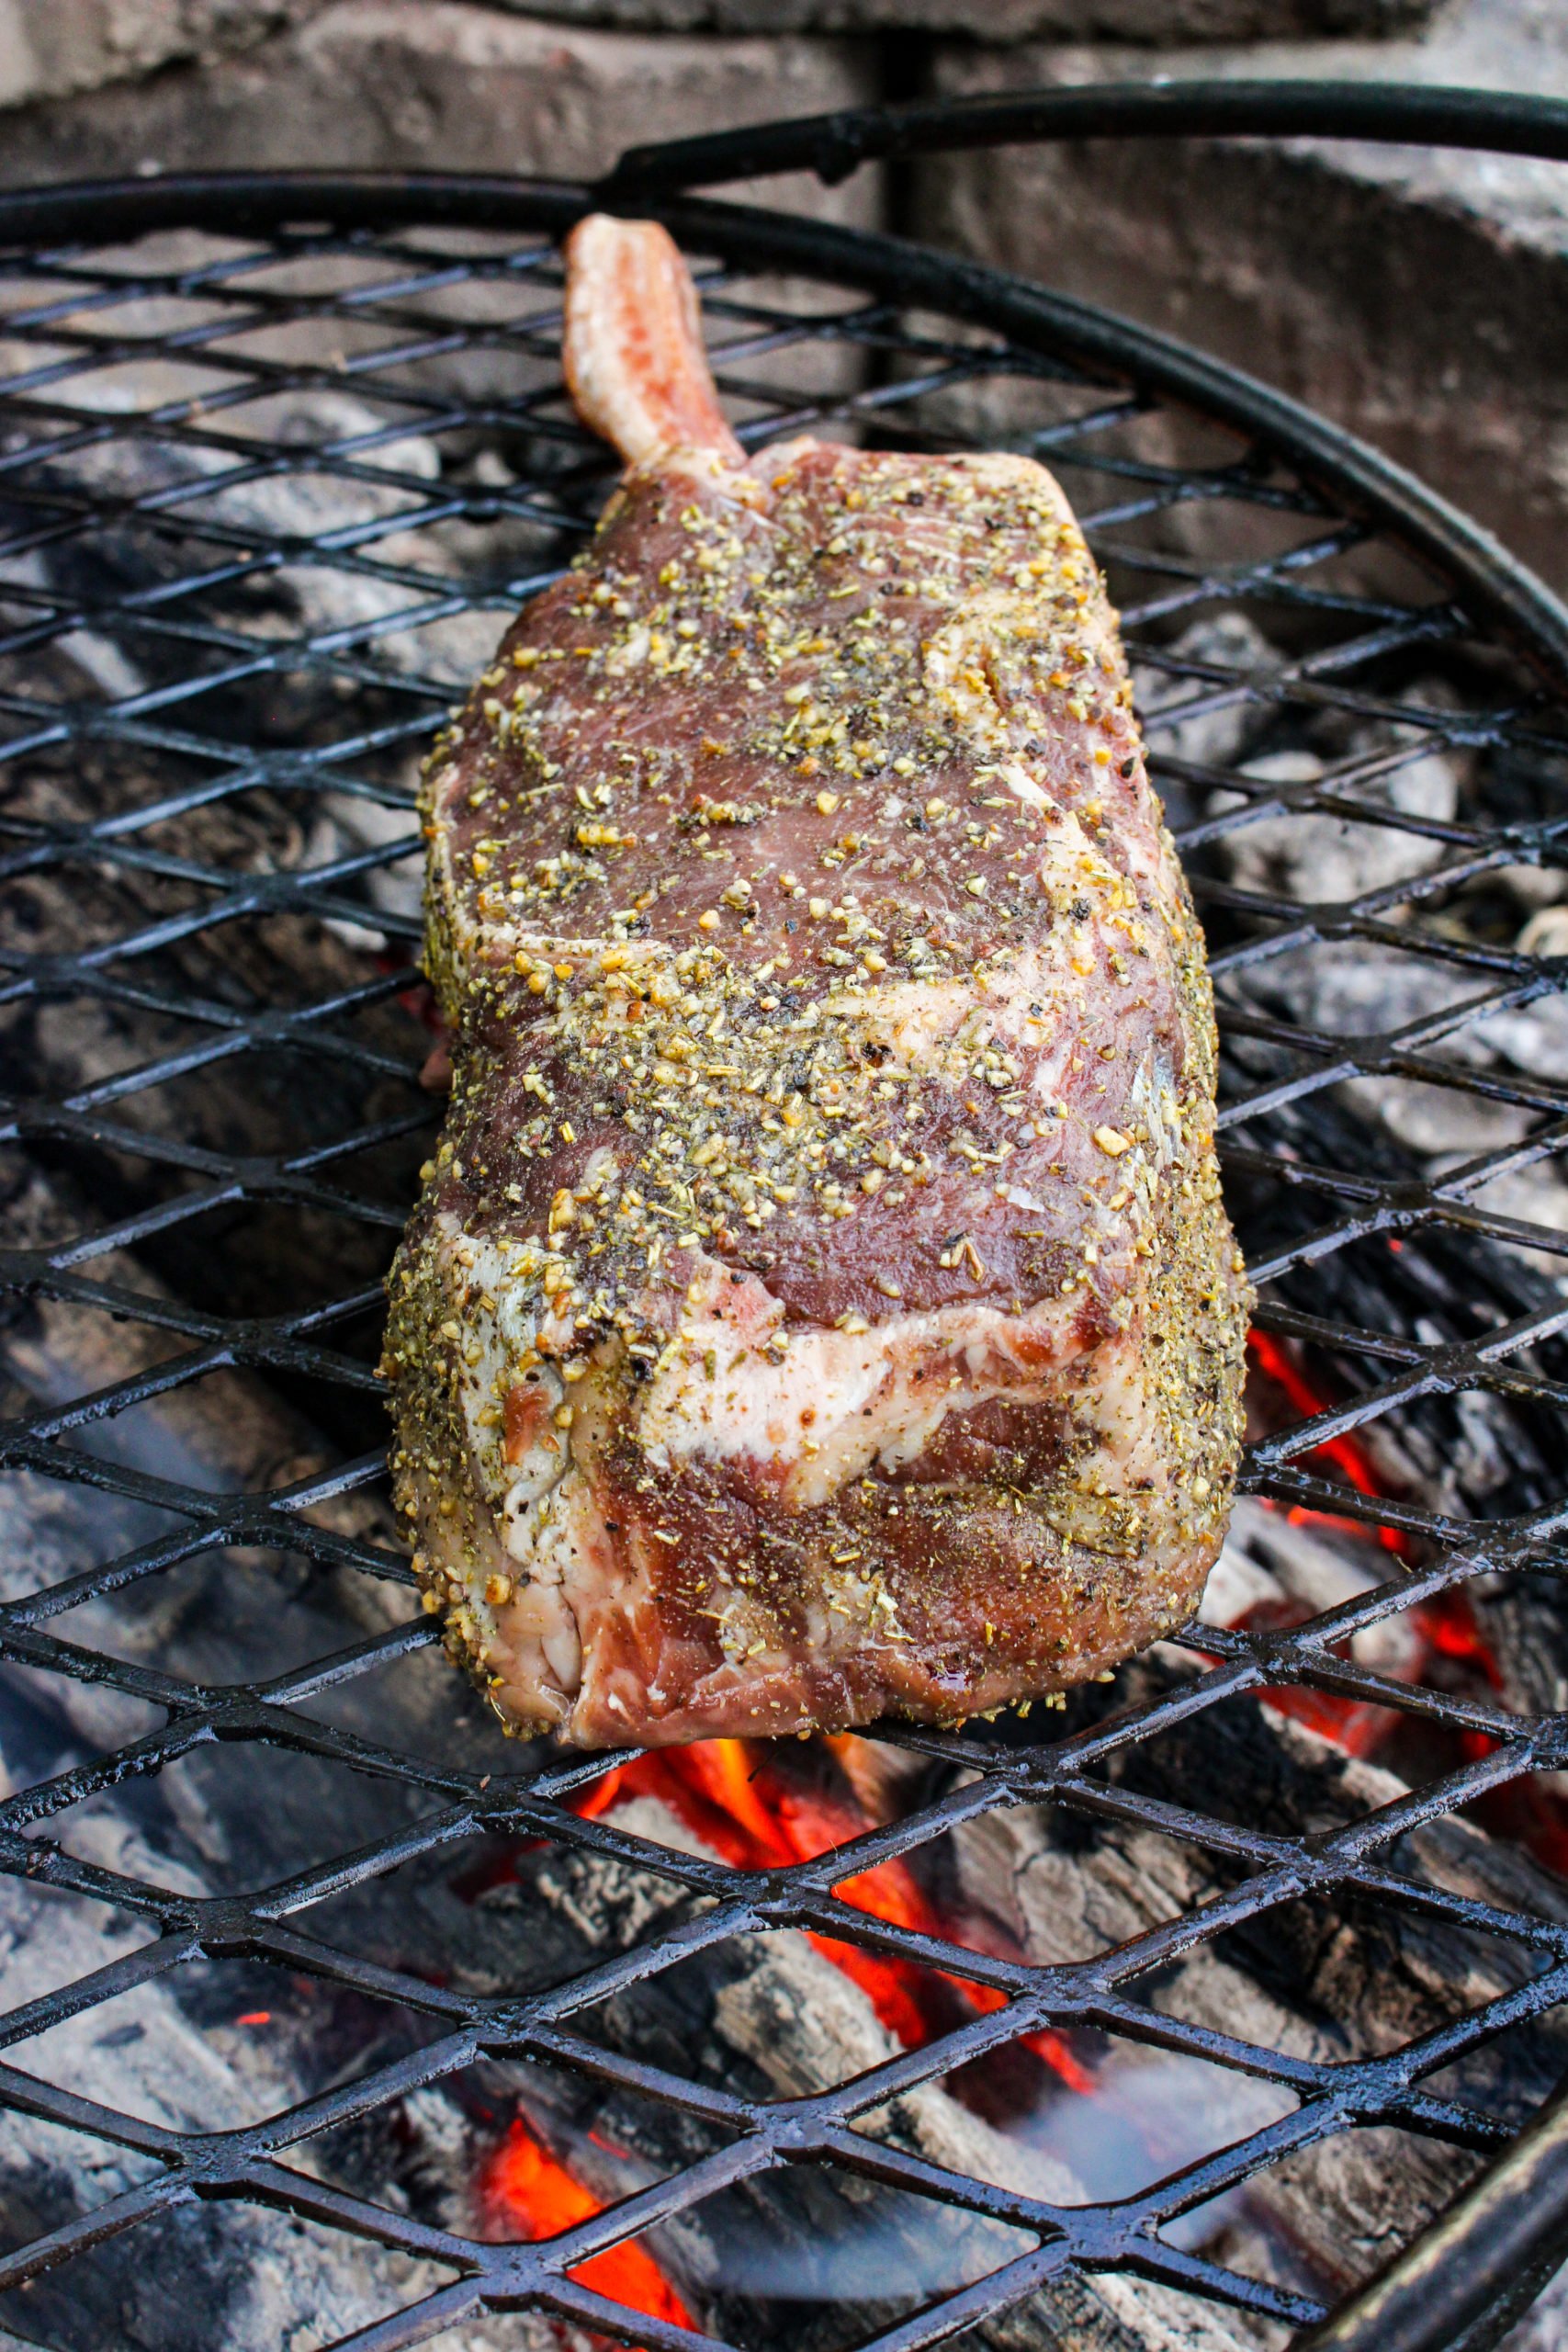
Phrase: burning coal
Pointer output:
(1180, 2043)
(523, 2191)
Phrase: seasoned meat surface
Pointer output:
(821, 1301)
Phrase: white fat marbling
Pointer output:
(831, 1403)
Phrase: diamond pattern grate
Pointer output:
(266, 498)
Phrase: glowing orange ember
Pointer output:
(748, 1803)
(728, 1792)
(527, 2192)
(1348, 1458)
(1449, 1651)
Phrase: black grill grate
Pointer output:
(263, 489)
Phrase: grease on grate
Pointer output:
(1121, 1963)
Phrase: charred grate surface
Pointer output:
(266, 501)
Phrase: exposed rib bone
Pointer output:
(633, 354)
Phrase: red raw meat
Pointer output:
(821, 1302)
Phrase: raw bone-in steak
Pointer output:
(821, 1301)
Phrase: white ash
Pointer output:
(610, 1904)
(286, 506)
(1534, 1194)
(1546, 933)
(319, 593)
(1317, 857)
(226, 1433)
(1355, 990)
(1360, 991)
(1533, 1037)
(1345, 2204)
(1268, 1560)
(1474, 1463)
(1537, 887)
(1223, 716)
(806, 2026)
(230, 2276)
(347, 823)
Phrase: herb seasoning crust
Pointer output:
(820, 1303)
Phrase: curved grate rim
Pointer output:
(195, 609)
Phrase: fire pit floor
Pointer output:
(1162, 2017)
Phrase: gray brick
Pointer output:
(52, 47)
(1005, 20)
(433, 84)
(1421, 298)
(442, 84)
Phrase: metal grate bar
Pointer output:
(203, 851)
